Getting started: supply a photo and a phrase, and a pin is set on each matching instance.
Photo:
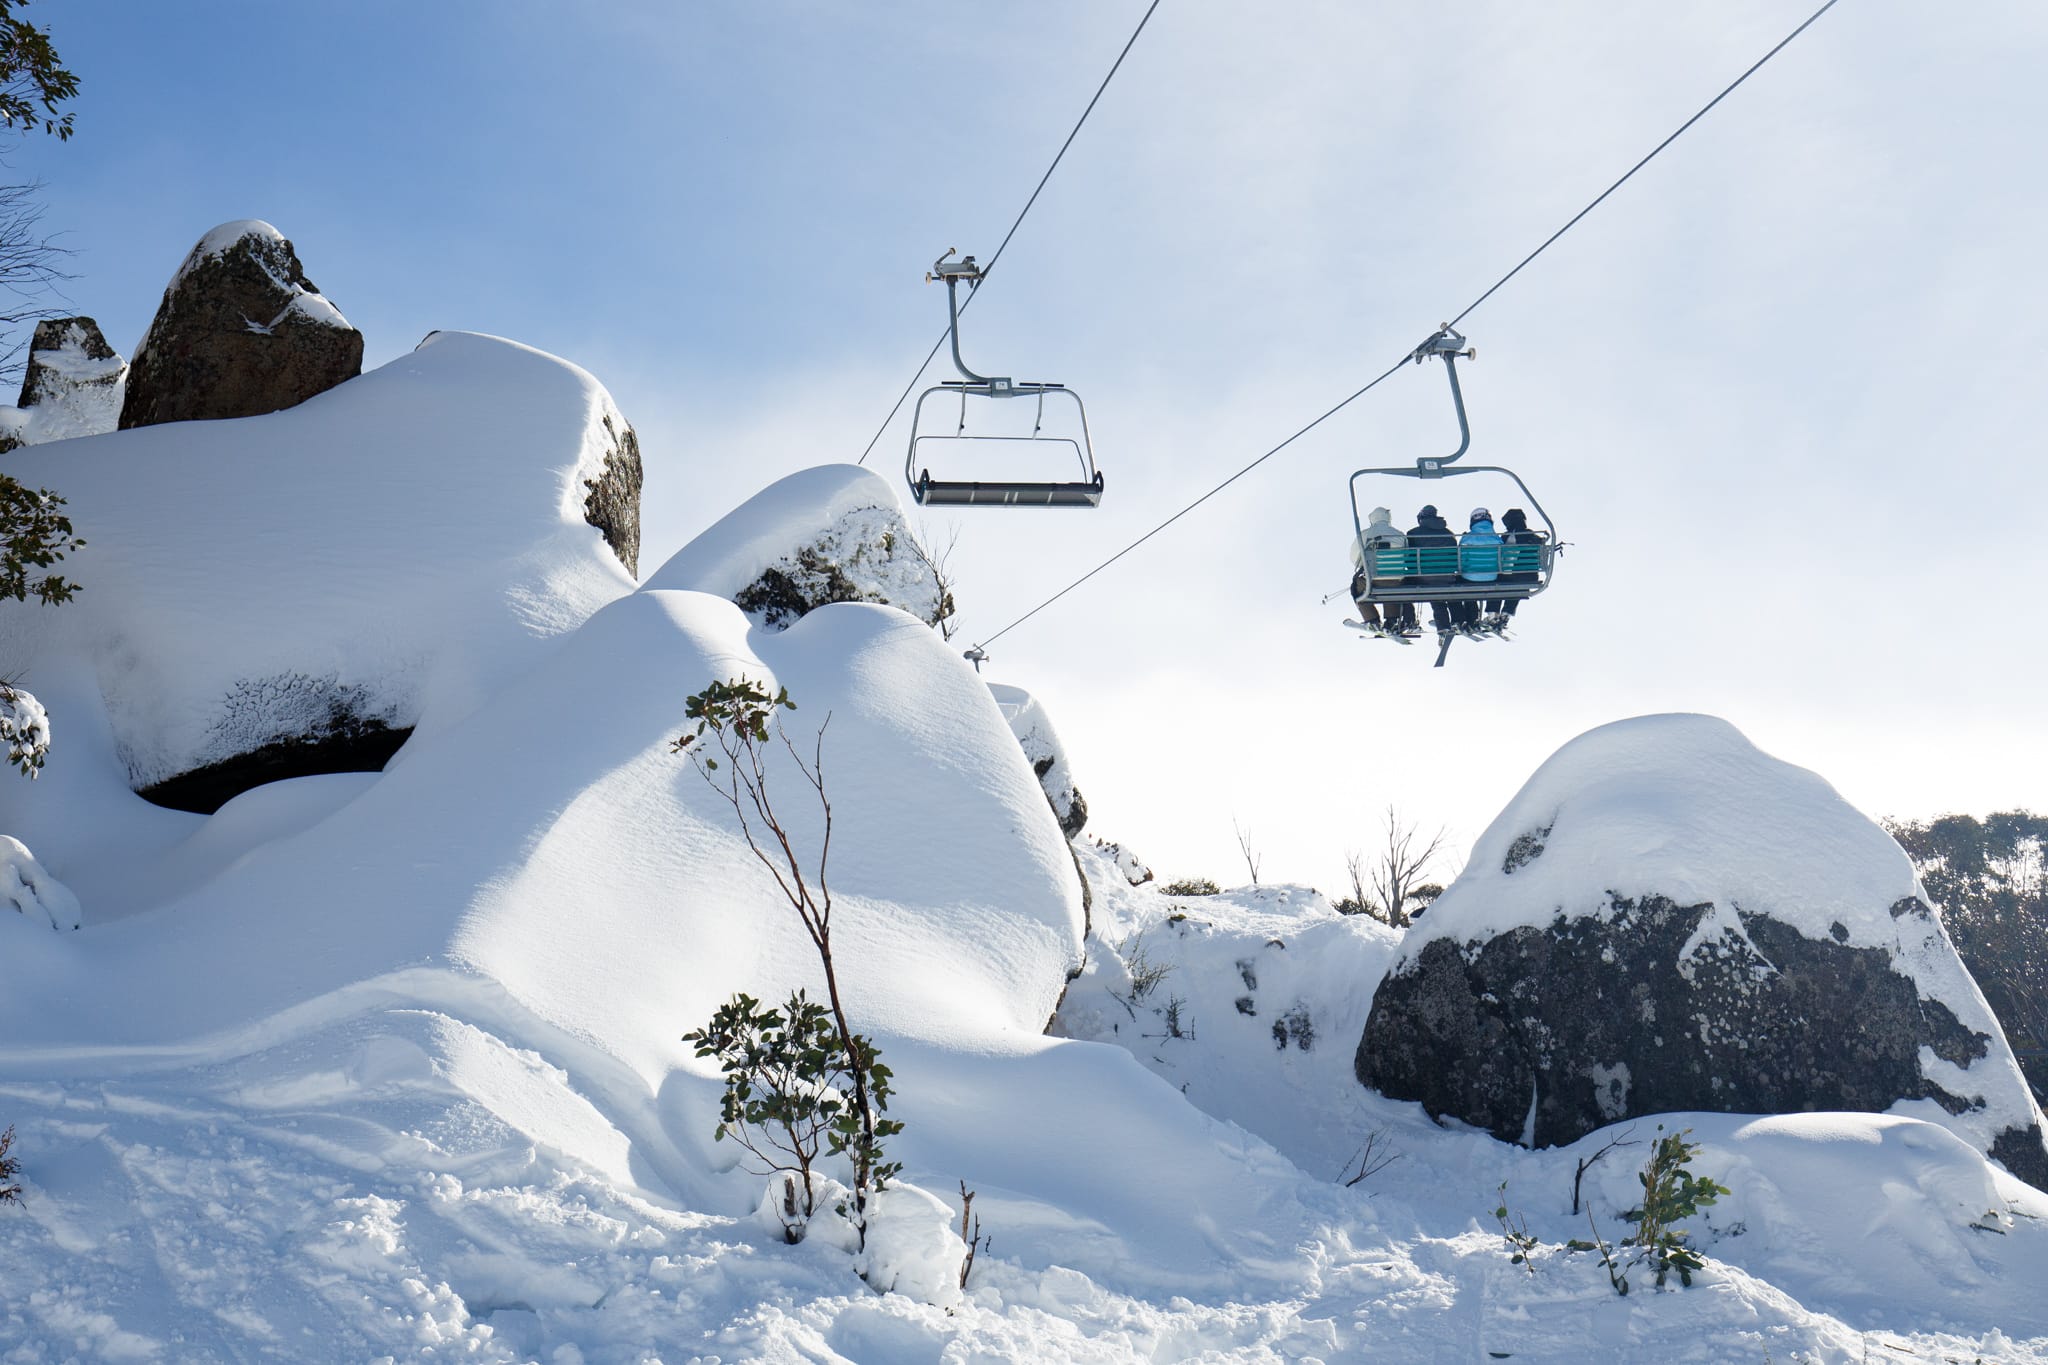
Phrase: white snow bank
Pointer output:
(391, 545)
(1251, 1002)
(838, 514)
(27, 889)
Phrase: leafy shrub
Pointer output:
(789, 1090)
(1192, 886)
(1670, 1192)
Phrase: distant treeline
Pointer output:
(1990, 878)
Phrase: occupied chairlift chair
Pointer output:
(1404, 575)
(1084, 492)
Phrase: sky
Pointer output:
(1780, 393)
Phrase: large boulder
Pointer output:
(241, 331)
(835, 533)
(1667, 919)
(72, 387)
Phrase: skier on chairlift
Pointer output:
(1478, 562)
(1432, 530)
(1380, 534)
(1514, 531)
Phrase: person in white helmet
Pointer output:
(1379, 534)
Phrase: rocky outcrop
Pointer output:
(240, 331)
(1666, 919)
(1041, 745)
(73, 386)
(613, 504)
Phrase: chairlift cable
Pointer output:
(1057, 157)
(1645, 161)
(1406, 358)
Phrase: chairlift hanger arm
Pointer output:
(952, 272)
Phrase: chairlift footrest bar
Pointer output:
(958, 493)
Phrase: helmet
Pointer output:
(1481, 514)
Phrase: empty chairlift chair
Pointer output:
(971, 389)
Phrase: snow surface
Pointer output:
(1684, 806)
(389, 1066)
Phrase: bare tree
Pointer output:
(1400, 866)
(1359, 902)
(940, 562)
(737, 716)
(1244, 846)
(30, 271)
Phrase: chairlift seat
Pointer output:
(1428, 573)
(932, 492)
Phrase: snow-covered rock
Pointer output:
(27, 887)
(305, 587)
(240, 331)
(73, 386)
(1666, 918)
(835, 533)
(1034, 731)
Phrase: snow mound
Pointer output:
(1248, 1002)
(383, 549)
(1686, 807)
(835, 533)
(29, 890)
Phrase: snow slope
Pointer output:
(389, 1066)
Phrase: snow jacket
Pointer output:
(1379, 534)
(1433, 531)
(1522, 537)
(1479, 553)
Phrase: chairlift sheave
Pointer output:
(1083, 492)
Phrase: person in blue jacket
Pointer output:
(1478, 562)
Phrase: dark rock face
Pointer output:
(291, 725)
(1073, 816)
(45, 379)
(613, 505)
(1551, 1033)
(356, 746)
(241, 331)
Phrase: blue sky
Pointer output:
(1781, 392)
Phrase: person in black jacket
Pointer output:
(1432, 531)
(1514, 528)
